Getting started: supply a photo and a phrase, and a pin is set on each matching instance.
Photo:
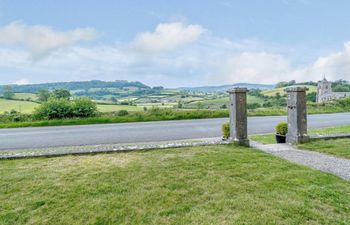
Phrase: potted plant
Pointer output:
(281, 132)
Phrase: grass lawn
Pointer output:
(201, 185)
(337, 147)
(270, 138)
(20, 106)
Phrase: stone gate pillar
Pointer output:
(238, 116)
(297, 115)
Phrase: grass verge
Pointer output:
(270, 138)
(201, 185)
(337, 147)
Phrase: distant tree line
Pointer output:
(76, 85)
(341, 86)
(293, 82)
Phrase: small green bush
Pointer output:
(54, 109)
(84, 107)
(225, 130)
(63, 108)
(123, 113)
(282, 128)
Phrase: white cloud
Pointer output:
(39, 39)
(263, 67)
(259, 67)
(334, 66)
(167, 36)
(22, 81)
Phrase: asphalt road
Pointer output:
(44, 137)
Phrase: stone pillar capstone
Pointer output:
(297, 115)
(238, 116)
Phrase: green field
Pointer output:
(114, 108)
(26, 96)
(218, 102)
(28, 107)
(273, 92)
(20, 106)
(201, 185)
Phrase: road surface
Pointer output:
(44, 137)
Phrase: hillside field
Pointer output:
(20, 106)
(273, 92)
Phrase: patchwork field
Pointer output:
(201, 185)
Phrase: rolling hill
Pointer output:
(224, 88)
(274, 91)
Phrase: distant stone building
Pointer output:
(325, 93)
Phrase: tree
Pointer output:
(8, 93)
(311, 97)
(43, 95)
(61, 94)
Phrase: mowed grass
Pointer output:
(200, 185)
(20, 106)
(273, 92)
(270, 138)
(337, 147)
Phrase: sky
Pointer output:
(174, 43)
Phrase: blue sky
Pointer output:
(174, 43)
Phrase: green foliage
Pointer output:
(62, 108)
(84, 107)
(8, 92)
(253, 105)
(285, 84)
(43, 95)
(225, 128)
(61, 94)
(14, 116)
(345, 102)
(54, 108)
(123, 113)
(311, 96)
(341, 86)
(282, 128)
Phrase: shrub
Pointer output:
(345, 102)
(253, 105)
(14, 116)
(225, 130)
(282, 128)
(84, 107)
(54, 109)
(123, 113)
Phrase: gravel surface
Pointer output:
(315, 160)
